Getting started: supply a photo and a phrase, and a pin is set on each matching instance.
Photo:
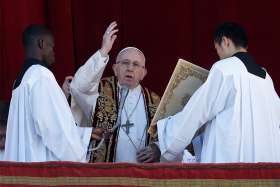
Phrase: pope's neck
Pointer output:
(130, 88)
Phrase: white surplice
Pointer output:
(40, 123)
(241, 112)
(84, 87)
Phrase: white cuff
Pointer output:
(104, 59)
(171, 148)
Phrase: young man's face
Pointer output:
(130, 68)
(2, 137)
(48, 49)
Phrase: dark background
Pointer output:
(163, 30)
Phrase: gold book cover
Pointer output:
(185, 80)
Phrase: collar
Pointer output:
(133, 91)
(27, 64)
(250, 64)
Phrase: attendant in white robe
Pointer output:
(129, 70)
(237, 104)
(40, 123)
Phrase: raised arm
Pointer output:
(84, 86)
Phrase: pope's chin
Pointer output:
(130, 83)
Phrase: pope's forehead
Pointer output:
(131, 53)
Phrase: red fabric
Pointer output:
(164, 30)
(152, 171)
(117, 174)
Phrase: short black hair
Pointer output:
(32, 32)
(232, 31)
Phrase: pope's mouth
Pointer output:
(128, 77)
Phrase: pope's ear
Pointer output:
(145, 71)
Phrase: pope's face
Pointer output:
(130, 68)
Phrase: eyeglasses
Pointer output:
(127, 64)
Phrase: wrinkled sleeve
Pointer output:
(84, 87)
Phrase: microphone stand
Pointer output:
(124, 92)
(123, 95)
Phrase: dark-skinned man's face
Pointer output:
(48, 49)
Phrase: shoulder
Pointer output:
(38, 73)
(229, 66)
(155, 98)
(41, 71)
(108, 82)
(108, 86)
(110, 79)
(269, 80)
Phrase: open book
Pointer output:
(185, 80)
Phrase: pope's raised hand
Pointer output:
(109, 38)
